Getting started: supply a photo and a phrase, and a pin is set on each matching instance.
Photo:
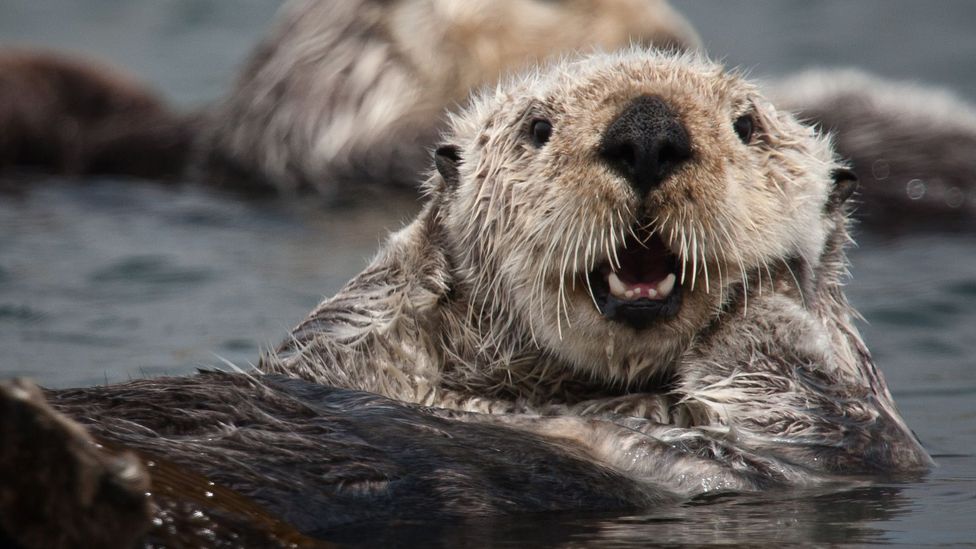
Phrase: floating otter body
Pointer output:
(913, 147)
(637, 244)
(79, 118)
(356, 91)
(340, 91)
(281, 459)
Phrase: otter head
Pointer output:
(608, 208)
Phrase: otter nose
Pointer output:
(645, 143)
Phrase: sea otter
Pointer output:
(636, 232)
(81, 118)
(626, 282)
(913, 146)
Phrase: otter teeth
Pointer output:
(665, 286)
(617, 287)
(622, 290)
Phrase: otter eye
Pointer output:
(743, 127)
(541, 132)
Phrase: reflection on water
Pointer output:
(117, 279)
(108, 280)
(875, 514)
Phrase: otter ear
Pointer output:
(845, 183)
(446, 159)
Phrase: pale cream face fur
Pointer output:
(530, 222)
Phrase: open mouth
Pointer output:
(643, 287)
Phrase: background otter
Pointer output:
(338, 91)
(913, 146)
(351, 92)
(78, 117)
(357, 91)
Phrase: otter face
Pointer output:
(609, 206)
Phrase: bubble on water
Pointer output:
(880, 169)
(954, 197)
(915, 189)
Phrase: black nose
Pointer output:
(646, 143)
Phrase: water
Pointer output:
(117, 279)
(107, 280)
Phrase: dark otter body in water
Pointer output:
(282, 459)
(913, 147)
(75, 117)
(341, 93)
(230, 459)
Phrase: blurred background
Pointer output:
(115, 279)
(189, 49)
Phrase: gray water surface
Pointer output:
(107, 280)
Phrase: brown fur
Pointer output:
(340, 93)
(73, 116)
(265, 461)
(913, 147)
(760, 381)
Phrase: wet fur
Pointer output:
(283, 457)
(275, 461)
